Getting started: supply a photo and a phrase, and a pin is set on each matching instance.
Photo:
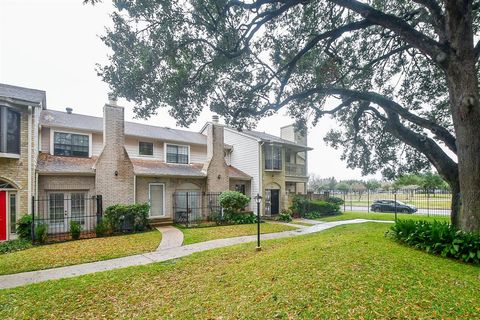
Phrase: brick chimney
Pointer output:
(215, 167)
(114, 177)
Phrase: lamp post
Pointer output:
(258, 199)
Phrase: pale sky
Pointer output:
(53, 45)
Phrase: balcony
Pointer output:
(293, 169)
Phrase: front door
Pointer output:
(275, 201)
(157, 198)
(3, 215)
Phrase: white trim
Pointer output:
(29, 162)
(9, 155)
(52, 135)
(146, 155)
(165, 144)
(150, 198)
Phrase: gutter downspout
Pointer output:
(29, 152)
(134, 188)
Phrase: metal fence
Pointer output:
(192, 208)
(55, 214)
(423, 202)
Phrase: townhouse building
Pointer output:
(56, 162)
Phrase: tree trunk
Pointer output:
(464, 100)
(455, 205)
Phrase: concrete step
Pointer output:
(158, 222)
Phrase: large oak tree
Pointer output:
(404, 73)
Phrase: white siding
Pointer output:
(45, 140)
(245, 156)
(198, 154)
(97, 144)
(132, 147)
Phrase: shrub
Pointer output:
(24, 227)
(75, 229)
(133, 217)
(244, 217)
(438, 238)
(102, 229)
(335, 200)
(302, 207)
(41, 233)
(233, 201)
(14, 245)
(285, 216)
(324, 208)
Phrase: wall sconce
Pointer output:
(116, 173)
(218, 177)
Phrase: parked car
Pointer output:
(389, 206)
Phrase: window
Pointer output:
(240, 188)
(177, 154)
(145, 148)
(13, 213)
(9, 130)
(56, 207)
(273, 157)
(71, 144)
(78, 207)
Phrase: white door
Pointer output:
(157, 200)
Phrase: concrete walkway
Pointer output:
(310, 221)
(19, 279)
(171, 238)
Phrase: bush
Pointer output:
(132, 217)
(75, 229)
(285, 216)
(302, 207)
(41, 233)
(244, 217)
(14, 245)
(102, 229)
(438, 238)
(24, 227)
(335, 200)
(233, 201)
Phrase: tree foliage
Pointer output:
(392, 65)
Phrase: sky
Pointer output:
(54, 45)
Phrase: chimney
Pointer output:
(114, 175)
(215, 167)
(112, 99)
(291, 134)
(113, 126)
(215, 118)
(69, 110)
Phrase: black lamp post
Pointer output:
(258, 199)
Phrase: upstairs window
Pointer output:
(273, 157)
(71, 144)
(9, 130)
(145, 148)
(177, 154)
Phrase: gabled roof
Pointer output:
(60, 119)
(159, 168)
(266, 137)
(21, 94)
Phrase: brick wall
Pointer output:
(114, 177)
(215, 167)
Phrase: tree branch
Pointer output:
(422, 42)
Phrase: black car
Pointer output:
(389, 206)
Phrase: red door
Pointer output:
(3, 215)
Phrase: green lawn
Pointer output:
(349, 272)
(81, 251)
(382, 216)
(194, 235)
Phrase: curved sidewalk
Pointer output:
(19, 279)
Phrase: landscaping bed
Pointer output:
(348, 272)
(80, 251)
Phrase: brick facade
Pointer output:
(216, 167)
(114, 176)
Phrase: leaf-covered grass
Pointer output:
(194, 235)
(301, 223)
(382, 216)
(76, 252)
(348, 272)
